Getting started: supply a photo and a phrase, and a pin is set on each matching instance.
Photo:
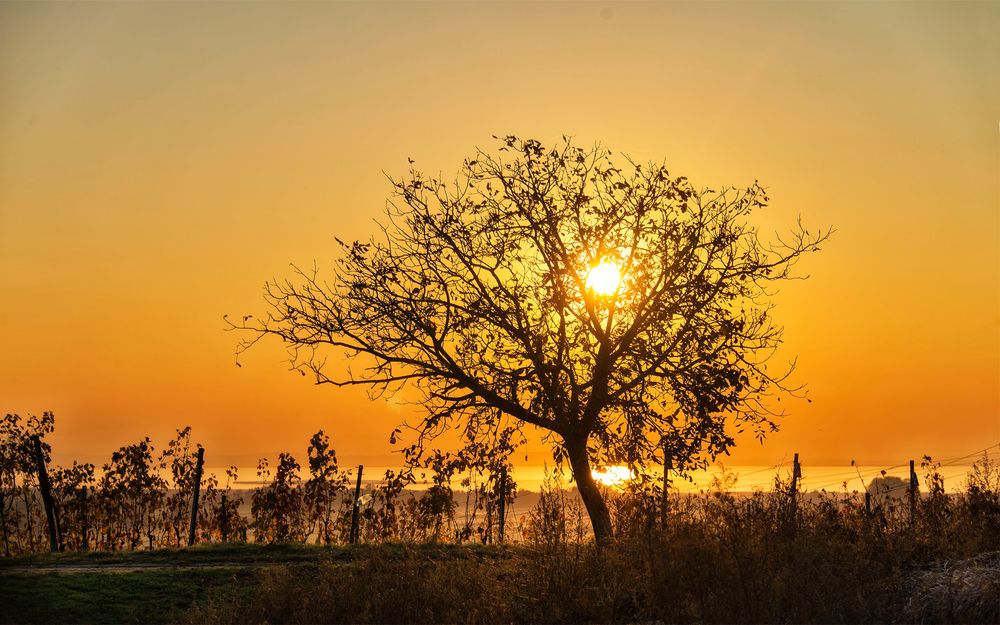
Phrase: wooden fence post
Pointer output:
(503, 503)
(44, 486)
(357, 507)
(195, 495)
(913, 494)
(796, 474)
(868, 503)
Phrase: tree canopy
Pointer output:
(613, 305)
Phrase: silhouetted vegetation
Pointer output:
(142, 497)
(716, 556)
(138, 499)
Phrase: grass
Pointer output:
(153, 596)
(99, 588)
(169, 583)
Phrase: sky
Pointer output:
(160, 161)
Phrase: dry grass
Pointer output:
(721, 559)
(964, 591)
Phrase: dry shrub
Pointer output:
(966, 591)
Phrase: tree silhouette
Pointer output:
(613, 306)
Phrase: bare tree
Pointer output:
(613, 306)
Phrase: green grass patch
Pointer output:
(154, 596)
(94, 588)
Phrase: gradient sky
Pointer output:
(160, 161)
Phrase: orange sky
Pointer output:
(158, 162)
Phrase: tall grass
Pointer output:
(719, 558)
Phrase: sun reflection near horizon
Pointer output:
(612, 476)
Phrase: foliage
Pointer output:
(70, 488)
(141, 499)
(177, 509)
(21, 514)
(132, 491)
(222, 520)
(325, 484)
(278, 513)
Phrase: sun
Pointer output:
(612, 476)
(604, 279)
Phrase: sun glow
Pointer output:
(604, 278)
(612, 476)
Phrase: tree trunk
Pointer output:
(597, 508)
